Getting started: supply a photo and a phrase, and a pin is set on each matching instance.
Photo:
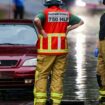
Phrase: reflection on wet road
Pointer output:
(80, 59)
(80, 78)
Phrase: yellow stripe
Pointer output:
(54, 34)
(41, 41)
(57, 95)
(102, 92)
(56, 101)
(53, 51)
(49, 44)
(39, 101)
(40, 94)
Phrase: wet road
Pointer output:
(80, 77)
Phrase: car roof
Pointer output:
(15, 21)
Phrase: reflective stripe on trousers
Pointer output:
(102, 92)
(47, 64)
(56, 97)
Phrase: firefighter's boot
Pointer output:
(49, 102)
(102, 96)
(102, 100)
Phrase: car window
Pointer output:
(18, 34)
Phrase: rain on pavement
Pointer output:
(80, 78)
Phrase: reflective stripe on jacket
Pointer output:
(55, 44)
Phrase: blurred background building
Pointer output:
(34, 6)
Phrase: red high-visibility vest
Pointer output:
(55, 25)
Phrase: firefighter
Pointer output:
(53, 24)
(101, 60)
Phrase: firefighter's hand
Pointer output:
(96, 51)
(43, 33)
(68, 29)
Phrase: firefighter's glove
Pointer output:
(96, 51)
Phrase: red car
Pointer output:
(18, 53)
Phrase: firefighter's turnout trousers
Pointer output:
(101, 69)
(46, 64)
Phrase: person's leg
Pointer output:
(57, 79)
(100, 69)
(15, 14)
(21, 12)
(101, 72)
(42, 71)
(102, 50)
